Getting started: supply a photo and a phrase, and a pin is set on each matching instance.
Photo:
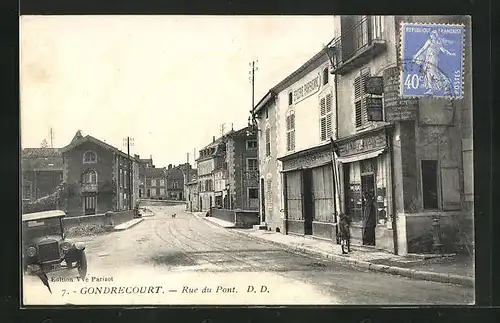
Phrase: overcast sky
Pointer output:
(167, 81)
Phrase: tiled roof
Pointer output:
(41, 159)
(77, 140)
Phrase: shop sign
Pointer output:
(374, 85)
(307, 89)
(362, 145)
(396, 107)
(308, 161)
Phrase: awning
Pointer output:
(357, 157)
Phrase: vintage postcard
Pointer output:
(246, 160)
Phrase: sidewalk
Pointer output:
(455, 269)
(128, 224)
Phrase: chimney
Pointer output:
(213, 139)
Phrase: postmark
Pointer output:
(433, 58)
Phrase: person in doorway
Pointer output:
(369, 219)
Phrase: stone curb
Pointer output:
(133, 223)
(406, 272)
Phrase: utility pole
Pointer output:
(51, 138)
(251, 78)
(129, 142)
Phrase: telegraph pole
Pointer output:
(251, 78)
(51, 138)
(129, 142)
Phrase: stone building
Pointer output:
(413, 154)
(98, 177)
(42, 172)
(296, 121)
(191, 194)
(228, 172)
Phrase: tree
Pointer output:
(44, 144)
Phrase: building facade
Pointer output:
(408, 153)
(42, 172)
(191, 194)
(175, 176)
(98, 176)
(155, 183)
(327, 147)
(211, 157)
(303, 108)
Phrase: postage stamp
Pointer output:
(436, 55)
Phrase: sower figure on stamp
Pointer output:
(344, 233)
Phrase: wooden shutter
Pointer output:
(450, 188)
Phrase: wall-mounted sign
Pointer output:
(374, 85)
(396, 107)
(312, 160)
(362, 145)
(307, 89)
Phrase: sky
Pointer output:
(168, 82)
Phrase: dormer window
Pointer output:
(89, 157)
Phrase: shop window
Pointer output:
(430, 184)
(268, 142)
(325, 76)
(325, 117)
(290, 131)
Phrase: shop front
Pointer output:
(366, 186)
(308, 192)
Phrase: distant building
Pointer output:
(42, 172)
(228, 174)
(98, 177)
(191, 194)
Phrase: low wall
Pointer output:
(456, 231)
(99, 219)
(240, 218)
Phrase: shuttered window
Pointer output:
(325, 119)
(268, 142)
(359, 97)
(269, 197)
(290, 131)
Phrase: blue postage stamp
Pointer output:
(432, 57)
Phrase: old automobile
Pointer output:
(45, 247)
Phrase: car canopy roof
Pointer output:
(43, 215)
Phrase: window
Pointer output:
(325, 76)
(359, 97)
(175, 185)
(325, 118)
(252, 164)
(290, 98)
(268, 142)
(251, 144)
(377, 26)
(125, 181)
(162, 182)
(148, 181)
(162, 191)
(253, 193)
(89, 157)
(361, 32)
(269, 195)
(430, 184)
(290, 131)
(90, 177)
(27, 190)
(267, 113)
(153, 182)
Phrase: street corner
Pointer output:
(128, 224)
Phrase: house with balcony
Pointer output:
(296, 120)
(99, 177)
(42, 172)
(413, 154)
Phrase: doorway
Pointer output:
(368, 186)
(307, 212)
(90, 204)
(149, 193)
(262, 201)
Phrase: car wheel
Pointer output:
(81, 264)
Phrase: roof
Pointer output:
(46, 159)
(78, 140)
(43, 215)
(293, 77)
(153, 172)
